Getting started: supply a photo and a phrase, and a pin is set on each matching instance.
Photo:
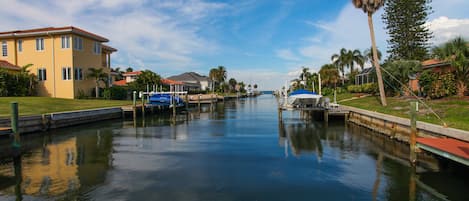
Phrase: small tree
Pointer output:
(146, 78)
(457, 53)
(98, 75)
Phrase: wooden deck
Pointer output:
(5, 130)
(456, 150)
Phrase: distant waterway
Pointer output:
(239, 150)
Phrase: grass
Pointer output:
(42, 105)
(453, 110)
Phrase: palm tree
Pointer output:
(98, 75)
(369, 55)
(457, 53)
(370, 7)
(232, 82)
(339, 61)
(119, 73)
(357, 58)
(221, 73)
(329, 75)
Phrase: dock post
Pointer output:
(280, 114)
(198, 101)
(134, 106)
(14, 125)
(211, 102)
(143, 104)
(413, 132)
(174, 106)
(187, 102)
(326, 116)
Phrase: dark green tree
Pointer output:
(405, 24)
(456, 52)
(147, 77)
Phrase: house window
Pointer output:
(97, 48)
(77, 43)
(39, 44)
(78, 74)
(41, 74)
(66, 73)
(4, 49)
(20, 45)
(65, 42)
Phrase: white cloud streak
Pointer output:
(155, 34)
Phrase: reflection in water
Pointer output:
(238, 150)
(62, 165)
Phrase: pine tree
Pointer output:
(409, 38)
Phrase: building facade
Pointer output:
(60, 58)
(194, 81)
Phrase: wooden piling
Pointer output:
(174, 106)
(187, 101)
(14, 125)
(413, 132)
(326, 116)
(143, 104)
(198, 101)
(134, 106)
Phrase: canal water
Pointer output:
(239, 150)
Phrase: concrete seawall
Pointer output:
(399, 128)
(38, 123)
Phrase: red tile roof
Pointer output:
(431, 62)
(171, 82)
(132, 73)
(9, 66)
(52, 30)
(120, 83)
(108, 48)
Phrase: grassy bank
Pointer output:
(41, 105)
(454, 111)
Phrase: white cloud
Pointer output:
(445, 29)
(287, 54)
(148, 33)
(349, 30)
(264, 78)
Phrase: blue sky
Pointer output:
(258, 41)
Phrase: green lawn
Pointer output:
(42, 105)
(454, 111)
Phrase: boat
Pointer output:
(304, 98)
(165, 100)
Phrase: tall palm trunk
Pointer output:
(375, 61)
(97, 89)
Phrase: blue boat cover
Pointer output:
(164, 99)
(302, 91)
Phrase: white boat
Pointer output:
(304, 98)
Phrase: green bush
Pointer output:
(364, 88)
(17, 83)
(116, 93)
(435, 85)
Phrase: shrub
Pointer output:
(364, 88)
(17, 83)
(435, 85)
(116, 93)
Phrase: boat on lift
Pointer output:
(303, 98)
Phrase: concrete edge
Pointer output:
(433, 128)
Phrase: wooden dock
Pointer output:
(456, 150)
(5, 131)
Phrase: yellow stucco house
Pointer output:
(61, 57)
